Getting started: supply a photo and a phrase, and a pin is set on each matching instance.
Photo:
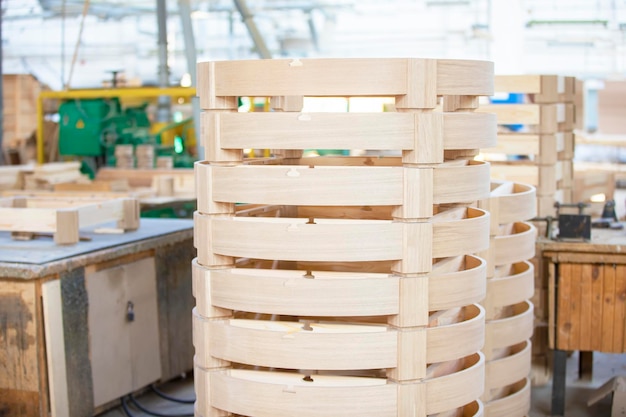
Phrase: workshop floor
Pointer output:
(578, 392)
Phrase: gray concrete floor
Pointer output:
(577, 393)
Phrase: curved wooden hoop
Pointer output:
(334, 240)
(375, 131)
(511, 330)
(341, 77)
(454, 282)
(516, 201)
(455, 390)
(469, 336)
(512, 289)
(516, 404)
(510, 369)
(516, 247)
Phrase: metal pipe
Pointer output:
(253, 30)
(190, 54)
(164, 102)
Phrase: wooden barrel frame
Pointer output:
(511, 202)
(334, 185)
(281, 394)
(274, 130)
(453, 283)
(291, 345)
(337, 240)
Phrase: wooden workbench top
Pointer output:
(41, 257)
(603, 243)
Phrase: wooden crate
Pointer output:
(63, 218)
(384, 245)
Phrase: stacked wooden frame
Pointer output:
(508, 311)
(546, 138)
(365, 297)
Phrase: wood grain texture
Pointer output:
(511, 330)
(375, 131)
(468, 335)
(278, 394)
(336, 77)
(456, 282)
(455, 390)
(511, 289)
(516, 247)
(509, 369)
(516, 404)
(335, 240)
(289, 345)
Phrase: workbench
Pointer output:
(586, 301)
(83, 325)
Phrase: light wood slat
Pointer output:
(597, 305)
(293, 239)
(620, 306)
(516, 247)
(519, 204)
(340, 77)
(543, 177)
(468, 335)
(463, 285)
(608, 309)
(464, 236)
(458, 184)
(529, 84)
(514, 113)
(326, 186)
(278, 394)
(564, 325)
(516, 404)
(545, 149)
(510, 369)
(337, 294)
(333, 186)
(288, 345)
(512, 289)
(28, 220)
(289, 292)
(455, 390)
(511, 330)
(335, 240)
(375, 131)
(575, 311)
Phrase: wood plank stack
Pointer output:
(124, 156)
(508, 311)
(364, 299)
(144, 155)
(19, 94)
(542, 142)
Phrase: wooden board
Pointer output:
(516, 404)
(339, 77)
(587, 288)
(374, 131)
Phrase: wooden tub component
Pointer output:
(373, 271)
(509, 331)
(511, 202)
(274, 130)
(350, 77)
(454, 282)
(313, 345)
(509, 369)
(516, 404)
(271, 394)
(515, 247)
(454, 232)
(464, 181)
(515, 285)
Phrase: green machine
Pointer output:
(91, 128)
